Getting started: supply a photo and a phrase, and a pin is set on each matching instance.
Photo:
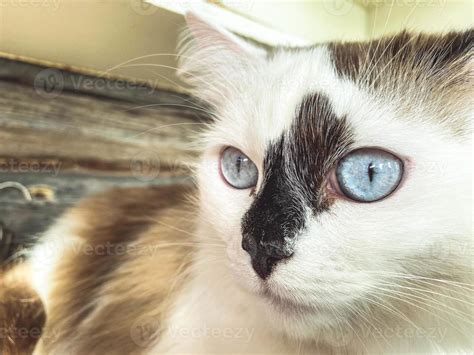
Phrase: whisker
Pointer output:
(408, 298)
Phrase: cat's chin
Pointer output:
(300, 321)
(287, 305)
(319, 315)
(272, 296)
(289, 316)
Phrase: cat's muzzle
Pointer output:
(265, 255)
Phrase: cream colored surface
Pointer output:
(316, 21)
(116, 36)
(324, 20)
(232, 20)
(426, 15)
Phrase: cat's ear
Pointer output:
(211, 56)
(209, 36)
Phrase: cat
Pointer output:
(332, 213)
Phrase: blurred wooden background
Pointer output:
(65, 135)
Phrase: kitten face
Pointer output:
(310, 252)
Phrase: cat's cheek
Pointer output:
(220, 203)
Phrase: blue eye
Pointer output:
(368, 175)
(237, 169)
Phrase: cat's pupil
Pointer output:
(371, 171)
(239, 163)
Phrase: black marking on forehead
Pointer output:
(295, 176)
(316, 141)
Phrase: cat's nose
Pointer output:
(265, 255)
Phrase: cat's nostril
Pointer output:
(278, 251)
(249, 245)
(265, 255)
(263, 265)
(273, 250)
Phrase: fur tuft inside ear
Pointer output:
(208, 33)
(211, 57)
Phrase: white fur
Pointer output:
(45, 257)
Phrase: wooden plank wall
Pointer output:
(64, 135)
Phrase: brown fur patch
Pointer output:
(22, 315)
(111, 291)
(373, 61)
(414, 71)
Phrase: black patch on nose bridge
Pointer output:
(295, 176)
(316, 141)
